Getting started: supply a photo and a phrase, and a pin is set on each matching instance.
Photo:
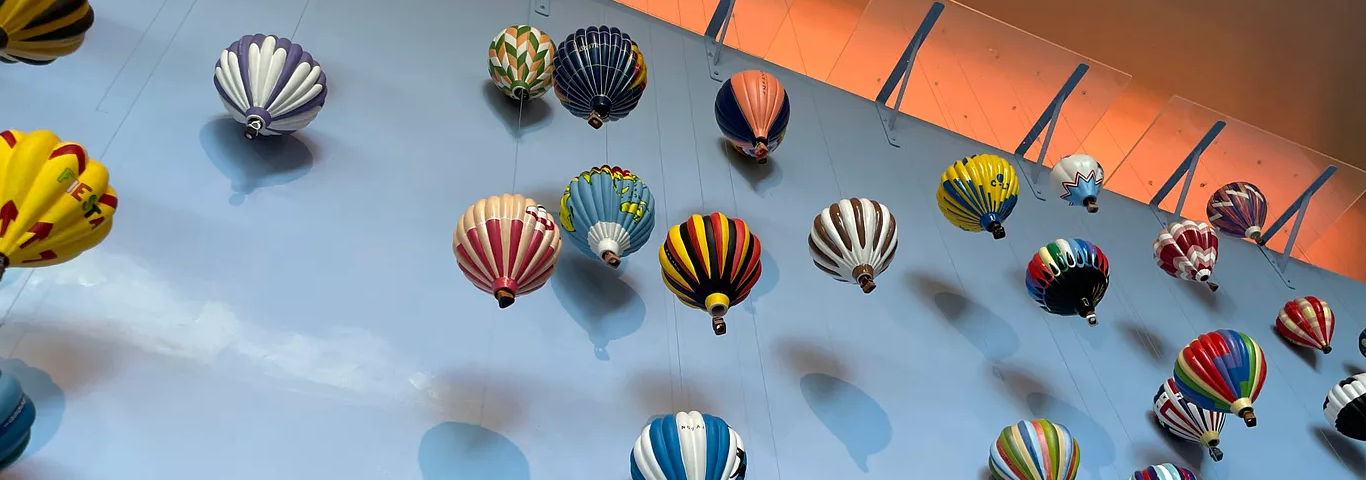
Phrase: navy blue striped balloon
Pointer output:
(18, 419)
(599, 74)
(1238, 209)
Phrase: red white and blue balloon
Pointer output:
(1238, 209)
(1077, 179)
(270, 84)
(1186, 420)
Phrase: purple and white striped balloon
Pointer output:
(270, 84)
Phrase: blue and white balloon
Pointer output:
(1077, 179)
(607, 212)
(270, 84)
(688, 446)
(18, 420)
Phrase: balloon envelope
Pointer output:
(521, 62)
(853, 241)
(1345, 407)
(1069, 277)
(1188, 251)
(38, 32)
(1077, 179)
(688, 446)
(507, 245)
(711, 263)
(1035, 450)
(1164, 471)
(1186, 420)
(599, 74)
(1307, 322)
(270, 84)
(19, 414)
(608, 212)
(978, 193)
(752, 110)
(1222, 371)
(1238, 209)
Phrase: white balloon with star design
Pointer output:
(1077, 179)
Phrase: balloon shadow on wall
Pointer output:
(49, 403)
(1145, 340)
(850, 414)
(981, 327)
(1200, 291)
(767, 281)
(1192, 453)
(518, 118)
(1098, 446)
(605, 307)
(761, 177)
(801, 357)
(465, 451)
(252, 164)
(1347, 452)
(1309, 356)
(1352, 369)
(1019, 383)
(469, 392)
(656, 391)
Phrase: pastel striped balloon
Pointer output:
(1222, 371)
(688, 446)
(1035, 450)
(1164, 471)
(1307, 322)
(507, 245)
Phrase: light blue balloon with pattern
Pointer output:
(688, 446)
(18, 420)
(608, 212)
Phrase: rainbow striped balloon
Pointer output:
(1222, 371)
(1035, 450)
(1164, 471)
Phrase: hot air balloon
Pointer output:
(688, 446)
(1307, 322)
(599, 74)
(1361, 343)
(521, 62)
(507, 246)
(608, 212)
(853, 240)
(752, 110)
(270, 84)
(1035, 450)
(1077, 179)
(1345, 407)
(1187, 420)
(1238, 209)
(1187, 250)
(1222, 371)
(1069, 277)
(1164, 471)
(55, 201)
(711, 263)
(37, 32)
(19, 417)
(977, 193)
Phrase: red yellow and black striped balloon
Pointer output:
(711, 263)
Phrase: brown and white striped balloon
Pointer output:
(854, 240)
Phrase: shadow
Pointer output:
(985, 474)
(253, 164)
(548, 196)
(605, 307)
(1347, 452)
(656, 392)
(768, 280)
(1019, 383)
(1352, 369)
(851, 415)
(1308, 355)
(49, 402)
(801, 357)
(1212, 300)
(518, 117)
(494, 397)
(1094, 440)
(986, 331)
(465, 451)
(761, 177)
(1152, 345)
(1192, 453)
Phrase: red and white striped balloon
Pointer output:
(1307, 322)
(507, 245)
(1188, 250)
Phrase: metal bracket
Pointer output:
(1187, 170)
(901, 74)
(716, 36)
(1048, 118)
(1298, 210)
(542, 7)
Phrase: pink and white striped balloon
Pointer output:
(507, 245)
(1307, 322)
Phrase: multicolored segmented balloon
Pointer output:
(688, 446)
(1188, 251)
(752, 110)
(1164, 471)
(1345, 407)
(507, 245)
(1069, 277)
(38, 32)
(978, 193)
(1307, 322)
(270, 84)
(1077, 179)
(600, 74)
(1222, 371)
(1238, 209)
(522, 62)
(608, 212)
(1035, 450)
(854, 241)
(1186, 420)
(711, 263)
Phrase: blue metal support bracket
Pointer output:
(1048, 118)
(1187, 170)
(716, 37)
(542, 7)
(1298, 210)
(901, 74)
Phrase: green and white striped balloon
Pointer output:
(521, 62)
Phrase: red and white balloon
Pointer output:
(507, 245)
(1188, 250)
(1307, 322)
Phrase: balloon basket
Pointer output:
(505, 298)
(997, 230)
(1091, 206)
(1326, 349)
(1215, 453)
(595, 120)
(866, 283)
(1213, 287)
(1248, 417)
(612, 259)
(718, 325)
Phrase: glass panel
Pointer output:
(1280, 168)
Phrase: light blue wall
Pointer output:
(296, 312)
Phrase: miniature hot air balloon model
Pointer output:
(599, 74)
(1361, 343)
(38, 32)
(1307, 322)
(1238, 209)
(270, 84)
(55, 201)
(507, 245)
(711, 263)
(608, 212)
(853, 241)
(1077, 179)
(1164, 471)
(521, 62)
(977, 193)
(752, 110)
(1187, 250)
(1069, 277)
(19, 415)
(1035, 450)
(688, 446)
(1222, 371)
(1187, 420)
(1345, 407)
